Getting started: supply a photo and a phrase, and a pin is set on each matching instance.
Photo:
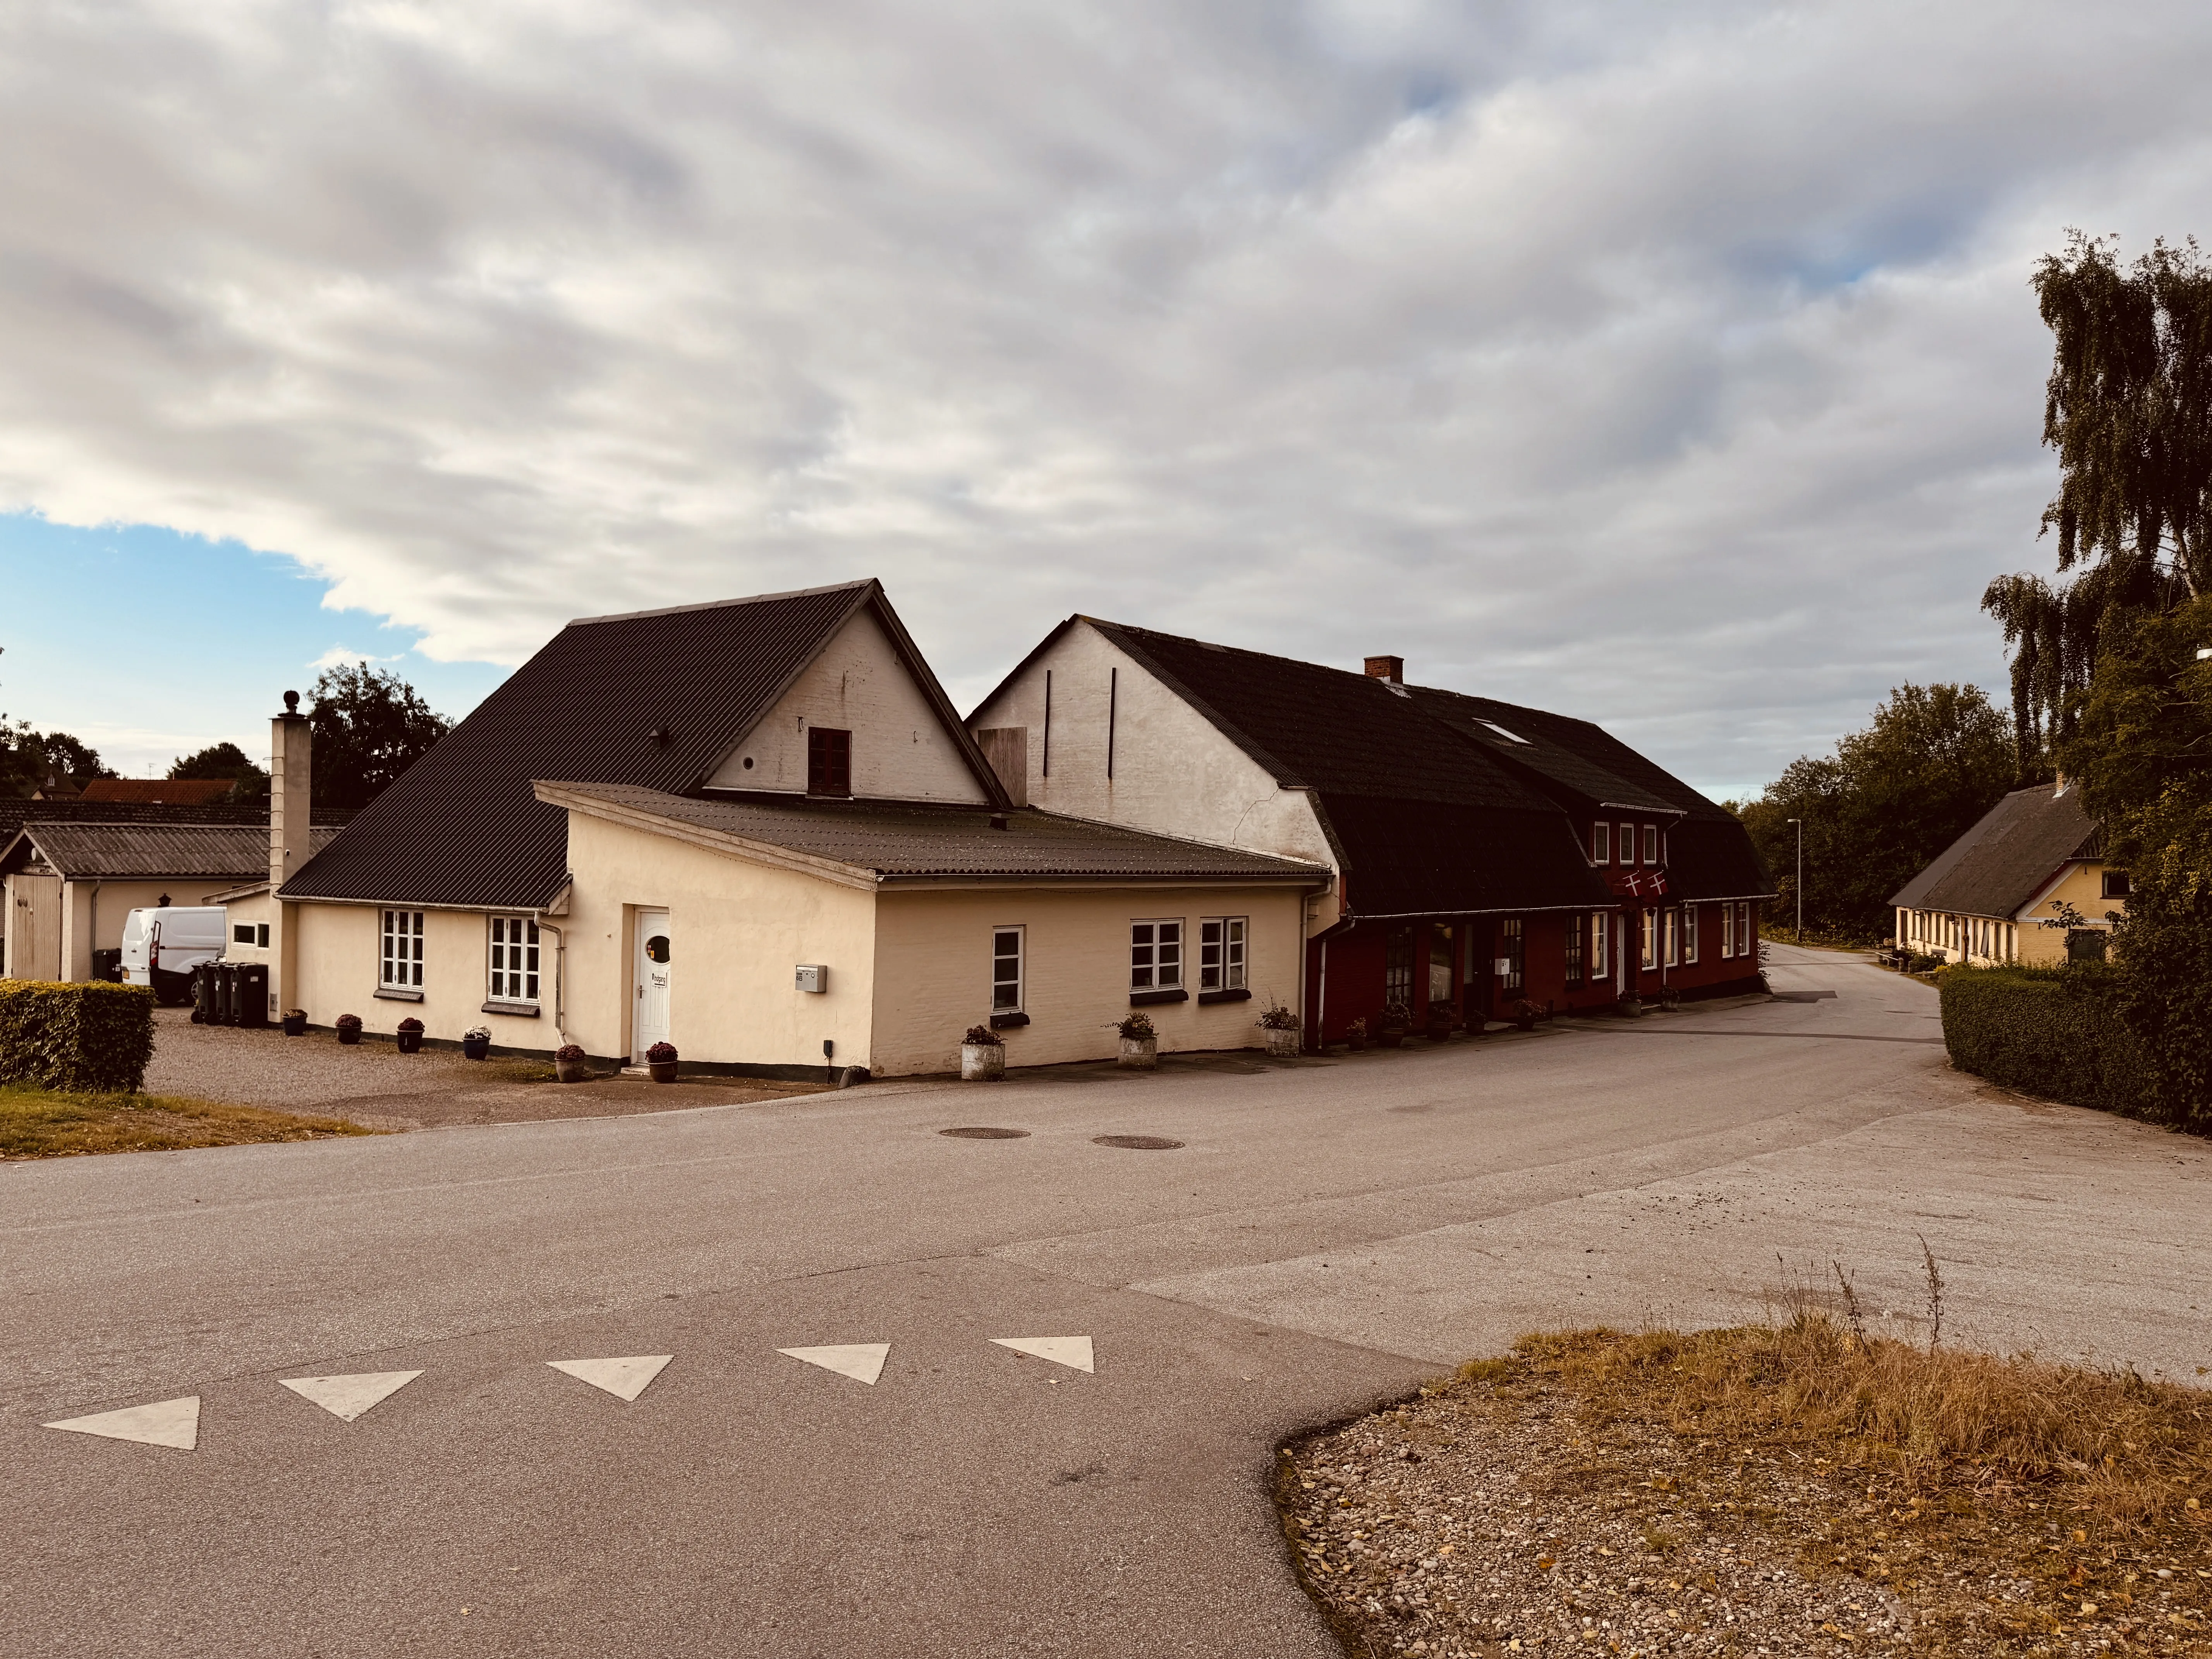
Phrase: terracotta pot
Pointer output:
(572, 1071)
(1281, 1045)
(983, 1062)
(1392, 1036)
(1142, 1053)
(410, 1042)
(661, 1071)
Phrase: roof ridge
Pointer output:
(725, 604)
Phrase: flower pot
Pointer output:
(296, 1024)
(1392, 1036)
(1526, 1022)
(661, 1071)
(348, 1035)
(983, 1062)
(476, 1048)
(572, 1071)
(1142, 1053)
(1281, 1045)
(1439, 1030)
(410, 1042)
(1631, 1007)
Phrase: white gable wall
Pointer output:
(901, 751)
(1174, 770)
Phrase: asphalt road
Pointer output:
(1330, 1234)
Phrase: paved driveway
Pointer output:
(1327, 1236)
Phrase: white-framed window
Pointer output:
(1156, 955)
(1689, 936)
(1009, 965)
(514, 959)
(1744, 947)
(1599, 925)
(1650, 939)
(1672, 921)
(1221, 953)
(1628, 843)
(399, 954)
(1652, 843)
(1601, 843)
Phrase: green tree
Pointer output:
(249, 783)
(1934, 759)
(369, 728)
(29, 758)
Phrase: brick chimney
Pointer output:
(291, 820)
(1392, 669)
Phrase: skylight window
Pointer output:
(1510, 737)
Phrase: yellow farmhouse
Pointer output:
(757, 830)
(2028, 884)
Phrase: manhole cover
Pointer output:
(1137, 1143)
(982, 1132)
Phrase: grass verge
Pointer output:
(54, 1123)
(1787, 1488)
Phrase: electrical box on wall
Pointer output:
(1504, 966)
(811, 976)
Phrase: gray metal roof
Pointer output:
(2002, 863)
(897, 842)
(151, 852)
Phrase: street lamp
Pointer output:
(1800, 823)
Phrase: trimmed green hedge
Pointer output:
(2052, 1032)
(91, 1037)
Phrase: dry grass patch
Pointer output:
(52, 1123)
(1787, 1489)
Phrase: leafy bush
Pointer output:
(2057, 1032)
(982, 1036)
(90, 1037)
(569, 1051)
(349, 1022)
(1276, 1017)
(1139, 1025)
(660, 1054)
(411, 1023)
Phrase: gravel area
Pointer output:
(1480, 1520)
(373, 1085)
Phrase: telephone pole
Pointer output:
(1800, 823)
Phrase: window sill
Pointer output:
(518, 1009)
(1151, 998)
(387, 993)
(1241, 994)
(1008, 1022)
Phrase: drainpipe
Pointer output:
(89, 959)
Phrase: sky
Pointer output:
(1672, 366)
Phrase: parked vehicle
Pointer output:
(161, 946)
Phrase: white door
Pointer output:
(649, 1022)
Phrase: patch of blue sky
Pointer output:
(149, 644)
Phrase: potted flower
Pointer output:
(295, 1022)
(982, 1056)
(475, 1043)
(1281, 1028)
(661, 1062)
(348, 1029)
(1355, 1036)
(410, 1036)
(1525, 1013)
(1443, 1016)
(1630, 1005)
(569, 1063)
(1140, 1043)
(1397, 1018)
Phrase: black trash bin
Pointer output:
(221, 975)
(107, 965)
(249, 997)
(203, 994)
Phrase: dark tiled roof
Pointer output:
(903, 840)
(461, 826)
(169, 792)
(1999, 864)
(233, 853)
(1429, 858)
(17, 811)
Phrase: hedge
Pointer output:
(91, 1036)
(2052, 1032)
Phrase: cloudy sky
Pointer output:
(1674, 366)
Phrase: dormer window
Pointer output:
(1652, 843)
(1628, 843)
(828, 761)
(1601, 843)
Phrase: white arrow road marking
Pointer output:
(861, 1361)
(348, 1397)
(625, 1379)
(166, 1423)
(1073, 1352)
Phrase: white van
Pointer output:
(161, 946)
